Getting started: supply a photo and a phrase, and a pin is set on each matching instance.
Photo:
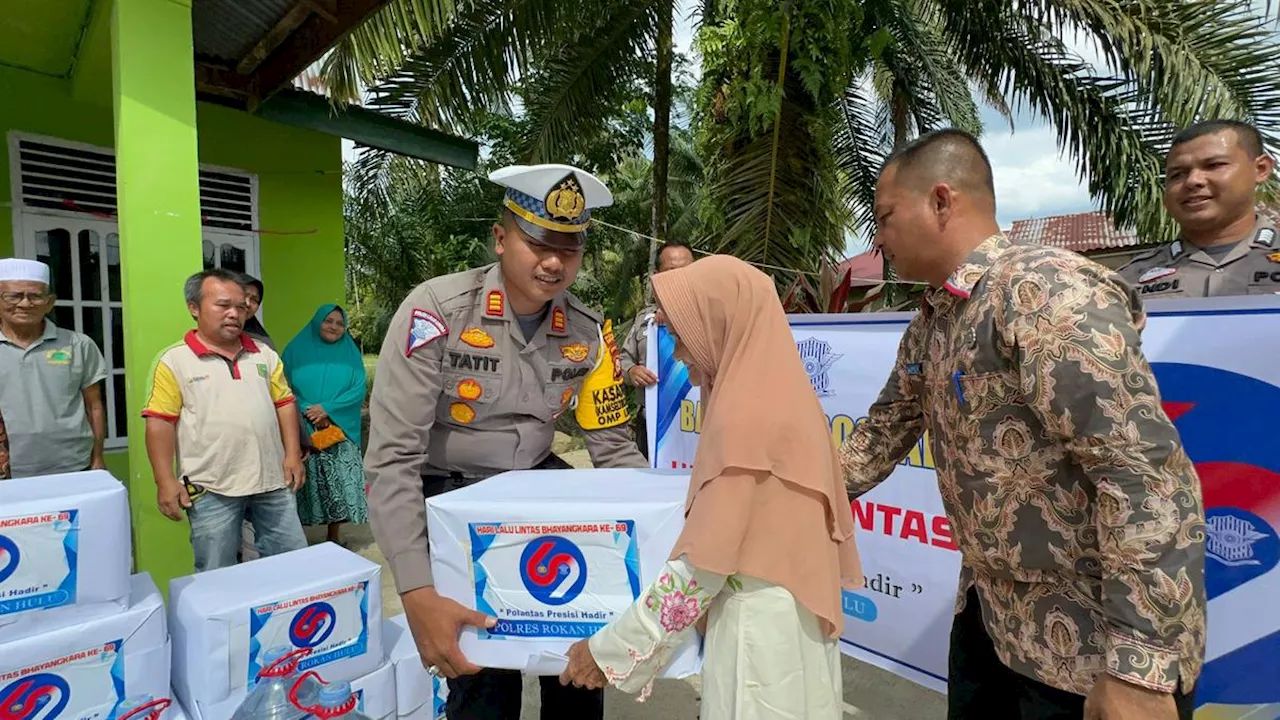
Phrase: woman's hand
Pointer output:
(582, 671)
(316, 414)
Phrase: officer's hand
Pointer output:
(172, 498)
(435, 623)
(642, 376)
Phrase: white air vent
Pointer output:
(57, 177)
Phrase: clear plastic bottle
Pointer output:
(335, 700)
(270, 697)
(141, 707)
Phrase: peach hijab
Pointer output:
(766, 497)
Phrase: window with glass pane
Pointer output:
(84, 260)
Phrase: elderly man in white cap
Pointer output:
(49, 380)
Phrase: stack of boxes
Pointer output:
(80, 637)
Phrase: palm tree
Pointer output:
(802, 100)
(568, 63)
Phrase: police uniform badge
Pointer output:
(424, 326)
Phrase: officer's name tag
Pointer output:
(554, 580)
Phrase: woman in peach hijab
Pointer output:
(768, 538)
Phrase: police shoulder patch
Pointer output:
(424, 327)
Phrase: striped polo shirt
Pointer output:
(225, 413)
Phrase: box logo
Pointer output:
(553, 570)
(36, 697)
(9, 558)
(313, 625)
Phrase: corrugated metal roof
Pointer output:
(227, 30)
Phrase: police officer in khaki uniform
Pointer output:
(1211, 174)
(473, 373)
(674, 254)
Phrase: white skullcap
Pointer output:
(19, 269)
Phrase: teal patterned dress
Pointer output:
(334, 491)
(330, 375)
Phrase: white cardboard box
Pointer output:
(94, 665)
(377, 693)
(64, 545)
(323, 597)
(419, 695)
(554, 555)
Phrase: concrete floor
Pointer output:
(869, 691)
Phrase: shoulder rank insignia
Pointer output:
(493, 304)
(424, 326)
(1156, 273)
(577, 352)
(557, 319)
(476, 338)
(462, 412)
(470, 389)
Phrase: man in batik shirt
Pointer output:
(1078, 514)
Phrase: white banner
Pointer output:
(1216, 361)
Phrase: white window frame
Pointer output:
(29, 220)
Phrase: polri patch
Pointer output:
(577, 352)
(476, 338)
(1274, 257)
(1155, 273)
(424, 327)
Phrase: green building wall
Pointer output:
(299, 191)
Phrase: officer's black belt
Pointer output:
(435, 484)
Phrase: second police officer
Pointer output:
(474, 371)
(1224, 247)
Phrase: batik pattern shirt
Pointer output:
(1077, 512)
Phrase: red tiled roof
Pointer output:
(867, 269)
(1082, 232)
(1089, 232)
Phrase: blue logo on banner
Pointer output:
(818, 358)
(553, 570)
(313, 625)
(9, 557)
(42, 696)
(1227, 423)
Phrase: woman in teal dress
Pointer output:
(326, 371)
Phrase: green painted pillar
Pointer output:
(158, 191)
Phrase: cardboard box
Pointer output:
(91, 667)
(554, 555)
(322, 597)
(419, 695)
(64, 544)
(376, 692)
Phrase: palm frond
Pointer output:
(1190, 58)
(1100, 122)
(380, 45)
(860, 150)
(579, 83)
